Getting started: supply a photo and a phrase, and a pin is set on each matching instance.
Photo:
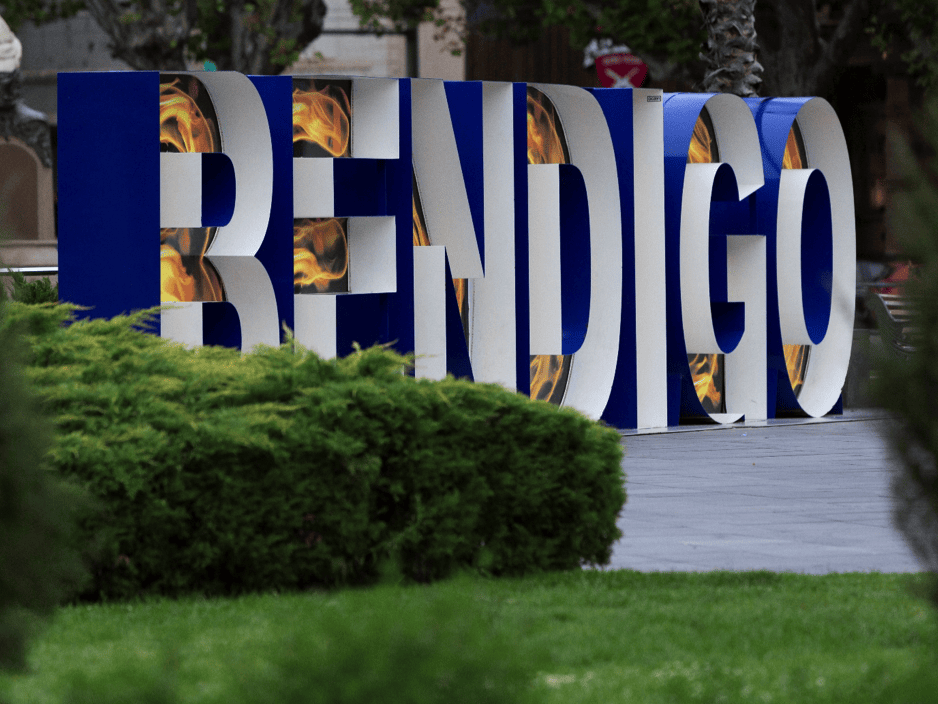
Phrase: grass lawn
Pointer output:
(590, 636)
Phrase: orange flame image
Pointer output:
(705, 369)
(796, 356)
(793, 158)
(544, 142)
(320, 254)
(546, 146)
(549, 374)
(322, 119)
(421, 239)
(185, 275)
(462, 301)
(796, 362)
(703, 146)
(187, 278)
(176, 285)
(183, 126)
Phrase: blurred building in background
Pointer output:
(27, 211)
(78, 44)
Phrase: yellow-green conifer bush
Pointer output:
(221, 473)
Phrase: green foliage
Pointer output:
(909, 387)
(412, 646)
(37, 291)
(15, 12)
(223, 473)
(911, 24)
(277, 25)
(669, 28)
(38, 563)
(666, 30)
(258, 36)
(399, 15)
(554, 638)
(402, 646)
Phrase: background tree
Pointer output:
(254, 37)
(801, 45)
(907, 385)
(799, 56)
(402, 16)
(40, 564)
(667, 34)
(730, 49)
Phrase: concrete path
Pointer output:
(794, 496)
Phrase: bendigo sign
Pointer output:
(642, 257)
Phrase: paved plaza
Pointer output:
(799, 496)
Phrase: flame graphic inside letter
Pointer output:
(421, 239)
(183, 126)
(187, 124)
(796, 356)
(706, 370)
(546, 145)
(322, 118)
(320, 256)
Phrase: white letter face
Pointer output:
(216, 179)
(344, 133)
(721, 259)
(808, 213)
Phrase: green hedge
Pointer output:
(222, 473)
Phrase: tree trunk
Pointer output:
(731, 48)
(798, 60)
(789, 44)
(730, 51)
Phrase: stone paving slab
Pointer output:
(794, 496)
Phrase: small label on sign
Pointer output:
(653, 99)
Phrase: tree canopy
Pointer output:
(802, 44)
(251, 36)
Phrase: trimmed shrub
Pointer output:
(38, 563)
(909, 386)
(223, 473)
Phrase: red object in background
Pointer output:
(900, 274)
(621, 70)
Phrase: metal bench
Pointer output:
(894, 317)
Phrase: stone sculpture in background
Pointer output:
(26, 162)
(11, 51)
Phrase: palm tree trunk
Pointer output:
(730, 51)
